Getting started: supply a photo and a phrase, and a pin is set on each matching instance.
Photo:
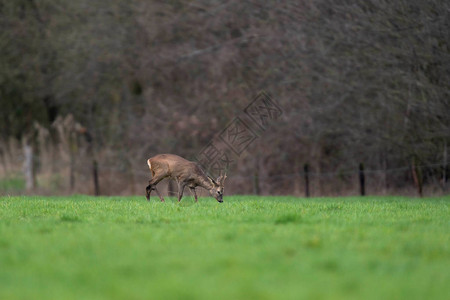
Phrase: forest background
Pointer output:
(89, 90)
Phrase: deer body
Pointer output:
(185, 173)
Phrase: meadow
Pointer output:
(249, 247)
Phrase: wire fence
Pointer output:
(64, 170)
(301, 172)
(354, 177)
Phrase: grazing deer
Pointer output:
(186, 173)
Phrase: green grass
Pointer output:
(249, 247)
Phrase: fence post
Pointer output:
(417, 177)
(95, 175)
(170, 188)
(28, 166)
(362, 180)
(89, 140)
(306, 174)
(444, 169)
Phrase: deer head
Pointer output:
(218, 185)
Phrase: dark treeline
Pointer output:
(118, 81)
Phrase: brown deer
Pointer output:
(186, 173)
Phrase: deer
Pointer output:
(185, 173)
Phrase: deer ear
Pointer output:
(212, 180)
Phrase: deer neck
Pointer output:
(205, 183)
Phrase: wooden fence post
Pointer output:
(306, 175)
(89, 140)
(170, 187)
(28, 166)
(95, 175)
(417, 177)
(444, 169)
(362, 180)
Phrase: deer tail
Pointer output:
(149, 164)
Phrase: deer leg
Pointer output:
(152, 186)
(160, 197)
(148, 190)
(180, 190)
(195, 193)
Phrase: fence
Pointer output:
(356, 180)
(71, 166)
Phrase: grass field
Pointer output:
(249, 247)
